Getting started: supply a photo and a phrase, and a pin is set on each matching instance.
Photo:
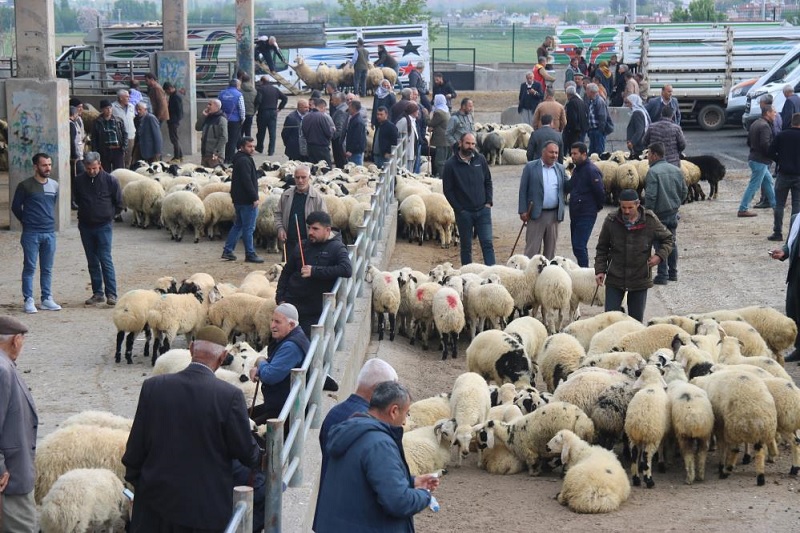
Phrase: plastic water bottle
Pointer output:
(434, 505)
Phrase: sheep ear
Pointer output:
(564, 450)
(676, 343)
(437, 430)
(722, 333)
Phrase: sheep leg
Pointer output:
(687, 452)
(392, 320)
(746, 458)
(702, 453)
(412, 331)
(646, 466)
(444, 340)
(129, 347)
(118, 352)
(635, 479)
(760, 456)
(381, 324)
(454, 337)
(730, 456)
(795, 443)
(148, 335)
(662, 458)
(156, 346)
(772, 450)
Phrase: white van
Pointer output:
(785, 71)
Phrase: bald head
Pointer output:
(374, 372)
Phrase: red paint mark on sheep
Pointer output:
(452, 301)
(387, 278)
(420, 295)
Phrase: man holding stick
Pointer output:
(297, 202)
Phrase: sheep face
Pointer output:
(484, 435)
(459, 436)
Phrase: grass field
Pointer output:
(492, 45)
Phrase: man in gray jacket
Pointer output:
(665, 190)
(669, 134)
(214, 125)
(298, 201)
(461, 122)
(759, 139)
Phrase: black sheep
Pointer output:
(711, 170)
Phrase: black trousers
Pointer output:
(339, 158)
(234, 131)
(146, 520)
(172, 128)
(319, 153)
(793, 298)
(637, 301)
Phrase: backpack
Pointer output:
(609, 127)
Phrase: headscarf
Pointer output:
(382, 92)
(604, 70)
(440, 102)
(636, 105)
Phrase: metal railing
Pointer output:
(303, 407)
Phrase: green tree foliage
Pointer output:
(136, 10)
(6, 19)
(66, 18)
(699, 11)
(381, 12)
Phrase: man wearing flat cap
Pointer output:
(188, 429)
(109, 138)
(18, 424)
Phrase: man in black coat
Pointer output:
(269, 102)
(385, 137)
(577, 118)
(355, 139)
(290, 133)
(791, 251)
(530, 94)
(442, 86)
(244, 193)
(187, 430)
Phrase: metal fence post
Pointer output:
(316, 364)
(297, 418)
(513, 40)
(244, 494)
(274, 470)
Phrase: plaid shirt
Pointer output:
(593, 113)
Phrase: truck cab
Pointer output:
(785, 71)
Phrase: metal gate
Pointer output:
(457, 65)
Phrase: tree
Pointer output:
(136, 11)
(699, 11)
(66, 18)
(680, 15)
(382, 12)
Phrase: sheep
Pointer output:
(608, 413)
(787, 405)
(385, 298)
(711, 170)
(440, 219)
(144, 197)
(239, 313)
(687, 324)
(647, 422)
(650, 339)
(529, 399)
(614, 360)
(520, 284)
(609, 171)
(777, 330)
(553, 290)
(412, 213)
(182, 209)
(257, 284)
(427, 412)
(585, 290)
(752, 343)
(199, 281)
(584, 386)
(514, 156)
(561, 355)
(427, 449)
(486, 300)
(171, 361)
(503, 394)
(584, 330)
(527, 437)
(492, 147)
(125, 176)
(496, 457)
(499, 357)
(730, 354)
(691, 175)
(84, 500)
(421, 310)
(605, 340)
(595, 481)
(209, 188)
(692, 420)
(530, 332)
(266, 231)
(719, 316)
(626, 177)
(469, 405)
(130, 316)
(77, 446)
(174, 314)
(448, 317)
(518, 261)
(697, 362)
(744, 412)
(218, 208)
(100, 419)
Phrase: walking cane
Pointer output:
(285, 257)
(299, 241)
(597, 288)
(530, 207)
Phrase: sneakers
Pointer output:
(746, 214)
(111, 300)
(659, 281)
(763, 204)
(95, 299)
(30, 307)
(49, 305)
(776, 237)
(253, 259)
(673, 277)
(228, 256)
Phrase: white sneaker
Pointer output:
(50, 305)
(30, 307)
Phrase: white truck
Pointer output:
(786, 71)
(701, 61)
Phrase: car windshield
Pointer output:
(785, 71)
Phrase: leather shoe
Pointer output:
(793, 357)
(330, 384)
(228, 256)
(253, 259)
(95, 299)
(673, 277)
(660, 281)
(775, 237)
(763, 204)
(746, 214)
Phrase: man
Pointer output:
(577, 118)
(158, 98)
(791, 251)
(366, 456)
(784, 150)
(572, 69)
(586, 199)
(580, 85)
(123, 109)
(597, 119)
(542, 192)
(214, 125)
(385, 59)
(668, 133)
(249, 94)
(233, 108)
(188, 429)
(76, 136)
(461, 122)
(244, 193)
(19, 423)
(644, 86)
(467, 184)
(777, 126)
(665, 191)
(109, 137)
(550, 107)
(437, 126)
(175, 107)
(631, 85)
(543, 135)
(530, 95)
(266, 50)
(135, 94)
(360, 61)
(268, 103)
(415, 81)
(294, 206)
(306, 277)
(442, 86)
(99, 199)
(790, 106)
(655, 105)
(624, 255)
(384, 138)
(290, 132)
(544, 49)
(421, 122)
(540, 73)
(339, 115)
(148, 135)
(398, 110)
(34, 205)
(355, 138)
(620, 83)
(759, 139)
(582, 65)
(318, 129)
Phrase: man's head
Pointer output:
(467, 105)
(73, 112)
(330, 88)
(438, 78)
(42, 165)
(302, 106)
(150, 79)
(578, 153)
(655, 152)
(382, 115)
(768, 113)
(12, 336)
(337, 98)
(629, 204)
(208, 347)
(123, 97)
(628, 74)
(168, 87)
(234, 83)
(247, 145)
(420, 66)
(548, 41)
(623, 69)
(573, 61)
(578, 78)
(613, 60)
(354, 107)
(405, 94)
(386, 84)
(360, 41)
(667, 113)
(214, 105)
(91, 164)
(390, 402)
(529, 77)
(571, 90)
(550, 153)
(592, 90)
(796, 120)
(549, 94)
(105, 108)
(373, 373)
(788, 90)
(141, 109)
(666, 93)
(546, 119)
(76, 103)
(302, 178)
(319, 226)
(639, 77)
(320, 104)
(284, 319)
(414, 94)
(466, 144)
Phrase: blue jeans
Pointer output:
(243, 226)
(637, 301)
(379, 160)
(37, 246)
(671, 266)
(481, 221)
(783, 185)
(360, 82)
(356, 159)
(759, 173)
(597, 141)
(266, 121)
(580, 228)
(97, 247)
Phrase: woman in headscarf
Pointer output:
(384, 96)
(605, 77)
(438, 128)
(637, 126)
(407, 127)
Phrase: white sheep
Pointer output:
(199, 281)
(585, 329)
(257, 284)
(240, 314)
(615, 361)
(218, 208)
(787, 406)
(730, 354)
(778, 330)
(752, 343)
(440, 219)
(687, 324)
(421, 311)
(144, 197)
(514, 156)
(413, 214)
(496, 457)
(595, 481)
(130, 316)
(605, 340)
(561, 356)
(650, 339)
(181, 210)
(85, 500)
(585, 290)
(486, 300)
(499, 357)
(176, 314)
(692, 420)
(428, 411)
(647, 422)
(385, 298)
(427, 449)
(448, 317)
(584, 386)
(209, 188)
(266, 229)
(99, 418)
(518, 261)
(530, 332)
(469, 405)
(171, 361)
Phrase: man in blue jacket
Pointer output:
(385, 137)
(586, 199)
(355, 138)
(366, 457)
(232, 101)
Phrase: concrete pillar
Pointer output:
(179, 69)
(245, 36)
(175, 23)
(38, 121)
(36, 44)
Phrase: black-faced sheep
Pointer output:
(130, 316)
(499, 357)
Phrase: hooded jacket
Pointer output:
(366, 456)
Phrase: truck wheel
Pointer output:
(711, 117)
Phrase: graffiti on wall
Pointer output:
(173, 69)
(30, 129)
(244, 47)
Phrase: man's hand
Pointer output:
(4, 481)
(524, 217)
(653, 261)
(428, 482)
(254, 370)
(777, 254)
(255, 204)
(282, 235)
(600, 278)
(305, 271)
(630, 145)
(348, 154)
